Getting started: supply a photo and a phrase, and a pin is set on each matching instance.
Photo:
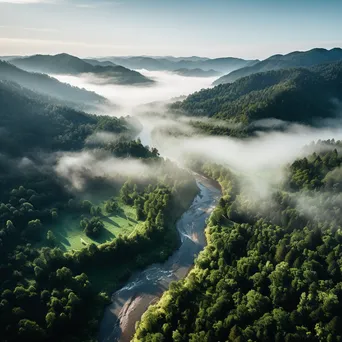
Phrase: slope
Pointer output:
(226, 64)
(71, 65)
(49, 86)
(276, 62)
(299, 95)
(29, 121)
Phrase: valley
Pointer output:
(168, 204)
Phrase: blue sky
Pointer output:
(241, 28)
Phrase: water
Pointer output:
(145, 287)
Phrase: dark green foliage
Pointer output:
(111, 206)
(29, 121)
(92, 227)
(131, 148)
(297, 95)
(274, 276)
(45, 293)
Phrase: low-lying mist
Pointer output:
(260, 161)
(167, 85)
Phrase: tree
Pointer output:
(33, 230)
(30, 330)
(51, 238)
(92, 227)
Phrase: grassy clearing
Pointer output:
(69, 234)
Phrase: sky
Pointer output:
(211, 28)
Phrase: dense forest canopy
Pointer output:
(271, 270)
(31, 121)
(293, 95)
(47, 290)
(84, 204)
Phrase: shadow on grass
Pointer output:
(109, 220)
(105, 236)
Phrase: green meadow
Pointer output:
(69, 234)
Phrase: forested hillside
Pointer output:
(31, 121)
(271, 270)
(51, 290)
(71, 65)
(47, 85)
(295, 95)
(292, 60)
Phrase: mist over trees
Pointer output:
(297, 95)
(272, 268)
(70, 65)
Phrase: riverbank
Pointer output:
(143, 288)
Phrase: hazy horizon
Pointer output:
(162, 56)
(246, 29)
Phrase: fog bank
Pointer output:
(167, 86)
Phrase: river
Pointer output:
(145, 287)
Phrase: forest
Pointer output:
(50, 292)
(293, 95)
(272, 268)
(84, 204)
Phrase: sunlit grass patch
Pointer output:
(69, 235)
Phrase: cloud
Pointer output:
(26, 2)
(38, 29)
(77, 168)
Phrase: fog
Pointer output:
(167, 86)
(78, 167)
(261, 160)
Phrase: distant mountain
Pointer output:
(71, 65)
(47, 85)
(191, 58)
(222, 65)
(196, 72)
(8, 58)
(95, 62)
(297, 95)
(276, 62)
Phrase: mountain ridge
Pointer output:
(64, 63)
(293, 59)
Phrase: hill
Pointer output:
(29, 121)
(71, 65)
(226, 64)
(276, 62)
(95, 62)
(297, 95)
(196, 72)
(47, 85)
(270, 271)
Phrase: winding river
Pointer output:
(145, 287)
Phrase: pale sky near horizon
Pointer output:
(212, 28)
